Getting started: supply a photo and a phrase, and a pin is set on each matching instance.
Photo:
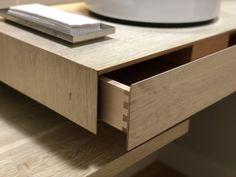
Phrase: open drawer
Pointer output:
(148, 98)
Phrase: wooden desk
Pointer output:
(184, 70)
(65, 77)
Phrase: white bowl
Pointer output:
(157, 11)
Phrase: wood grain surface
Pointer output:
(162, 101)
(62, 85)
(129, 44)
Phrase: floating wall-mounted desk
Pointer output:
(144, 82)
(140, 80)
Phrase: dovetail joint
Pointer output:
(126, 112)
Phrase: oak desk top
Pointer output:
(128, 45)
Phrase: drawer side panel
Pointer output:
(113, 101)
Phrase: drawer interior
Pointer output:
(232, 39)
(147, 69)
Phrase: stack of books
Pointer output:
(68, 26)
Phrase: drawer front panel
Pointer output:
(162, 101)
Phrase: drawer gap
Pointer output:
(232, 39)
(147, 69)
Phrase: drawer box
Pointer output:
(145, 99)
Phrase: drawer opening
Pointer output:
(143, 70)
(232, 39)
